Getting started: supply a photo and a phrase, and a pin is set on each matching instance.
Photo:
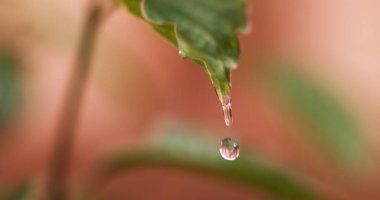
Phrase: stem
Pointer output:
(57, 188)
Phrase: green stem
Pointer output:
(57, 188)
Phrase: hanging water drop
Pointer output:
(181, 53)
(229, 149)
(227, 110)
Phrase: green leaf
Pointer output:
(134, 7)
(332, 129)
(180, 148)
(10, 90)
(203, 30)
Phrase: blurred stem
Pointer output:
(57, 188)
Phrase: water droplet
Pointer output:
(229, 149)
(181, 53)
(227, 110)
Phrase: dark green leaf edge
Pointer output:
(219, 67)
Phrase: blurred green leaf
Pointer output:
(204, 31)
(9, 86)
(328, 124)
(18, 193)
(180, 148)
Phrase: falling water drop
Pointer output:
(227, 110)
(229, 149)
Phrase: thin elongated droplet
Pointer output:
(227, 110)
(229, 149)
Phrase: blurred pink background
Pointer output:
(138, 79)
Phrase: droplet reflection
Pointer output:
(229, 149)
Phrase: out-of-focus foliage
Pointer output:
(9, 87)
(205, 31)
(180, 147)
(329, 126)
(18, 193)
